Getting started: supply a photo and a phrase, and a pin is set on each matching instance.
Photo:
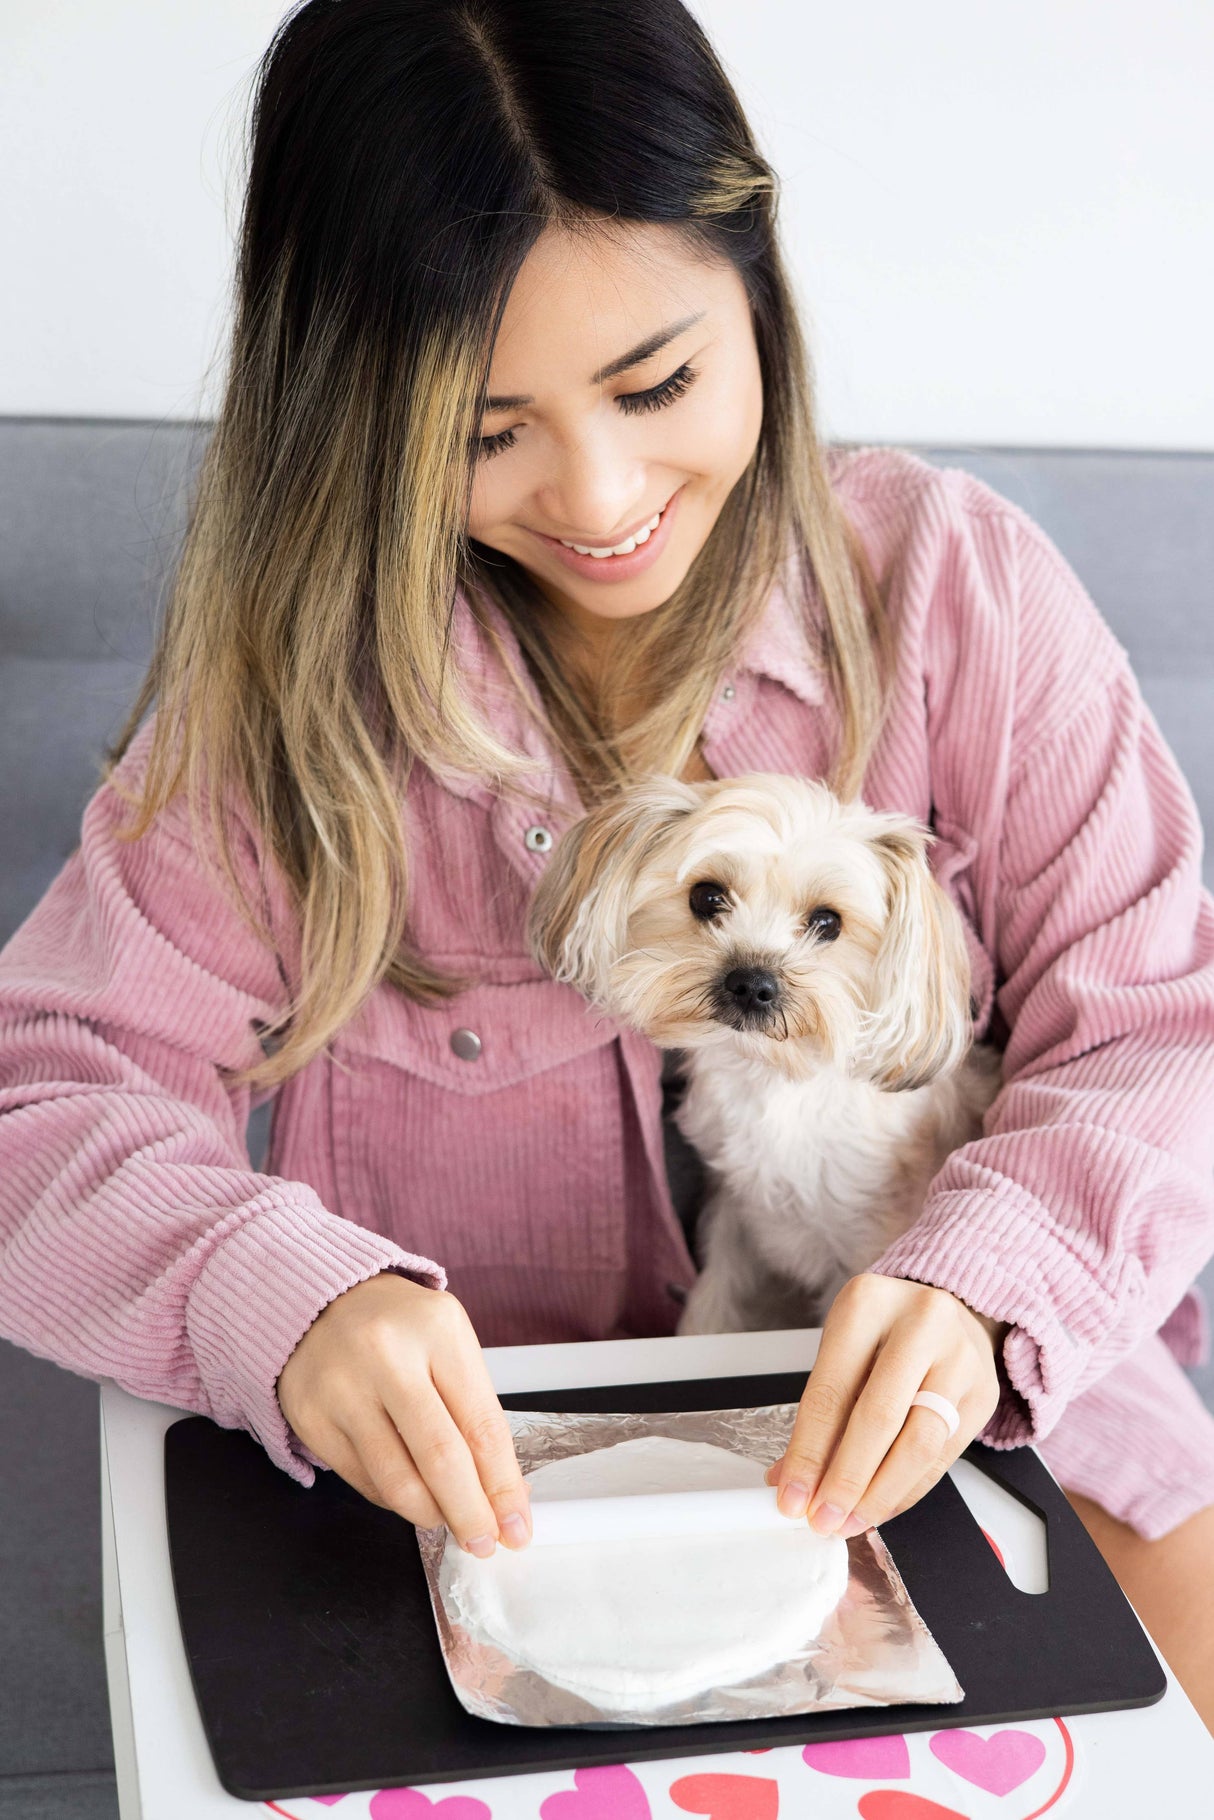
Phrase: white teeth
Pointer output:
(621, 549)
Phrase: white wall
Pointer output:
(998, 211)
(120, 141)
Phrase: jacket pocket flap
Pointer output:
(489, 1036)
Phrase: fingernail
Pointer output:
(855, 1526)
(480, 1545)
(826, 1519)
(514, 1529)
(793, 1500)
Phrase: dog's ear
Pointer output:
(577, 920)
(918, 1023)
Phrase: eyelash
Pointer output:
(655, 399)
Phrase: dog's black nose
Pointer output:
(751, 988)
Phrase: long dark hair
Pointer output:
(405, 155)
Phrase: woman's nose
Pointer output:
(595, 489)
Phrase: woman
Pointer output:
(509, 283)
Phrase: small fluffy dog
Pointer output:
(799, 952)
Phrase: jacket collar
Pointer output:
(776, 648)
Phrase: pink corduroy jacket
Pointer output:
(509, 1145)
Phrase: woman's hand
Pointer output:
(389, 1387)
(859, 1453)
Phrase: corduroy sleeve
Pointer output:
(136, 1242)
(1086, 1208)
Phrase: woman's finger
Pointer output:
(346, 1465)
(918, 1491)
(920, 1454)
(845, 1356)
(932, 1477)
(374, 1459)
(877, 1425)
(462, 1380)
(444, 1460)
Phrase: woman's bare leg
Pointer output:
(1170, 1584)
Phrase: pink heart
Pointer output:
(608, 1792)
(997, 1764)
(411, 1804)
(872, 1759)
(727, 1797)
(894, 1804)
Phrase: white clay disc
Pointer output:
(643, 1623)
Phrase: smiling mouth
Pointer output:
(624, 560)
(620, 549)
(604, 552)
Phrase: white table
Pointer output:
(1126, 1764)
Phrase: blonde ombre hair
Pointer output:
(404, 158)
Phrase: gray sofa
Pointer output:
(90, 517)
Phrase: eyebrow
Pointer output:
(513, 401)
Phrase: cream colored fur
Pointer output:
(827, 1078)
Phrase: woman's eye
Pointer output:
(484, 446)
(659, 395)
(823, 922)
(707, 899)
(630, 402)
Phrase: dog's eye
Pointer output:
(707, 899)
(823, 922)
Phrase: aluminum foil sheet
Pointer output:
(874, 1649)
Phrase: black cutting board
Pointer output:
(315, 1660)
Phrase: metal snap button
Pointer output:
(466, 1044)
(538, 840)
(729, 692)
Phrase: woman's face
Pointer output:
(594, 428)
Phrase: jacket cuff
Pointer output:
(994, 1252)
(258, 1294)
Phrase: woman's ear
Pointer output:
(577, 920)
(918, 1023)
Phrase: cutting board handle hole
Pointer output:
(1016, 1532)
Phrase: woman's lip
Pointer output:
(617, 568)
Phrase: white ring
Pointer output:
(928, 1399)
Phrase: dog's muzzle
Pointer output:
(747, 998)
